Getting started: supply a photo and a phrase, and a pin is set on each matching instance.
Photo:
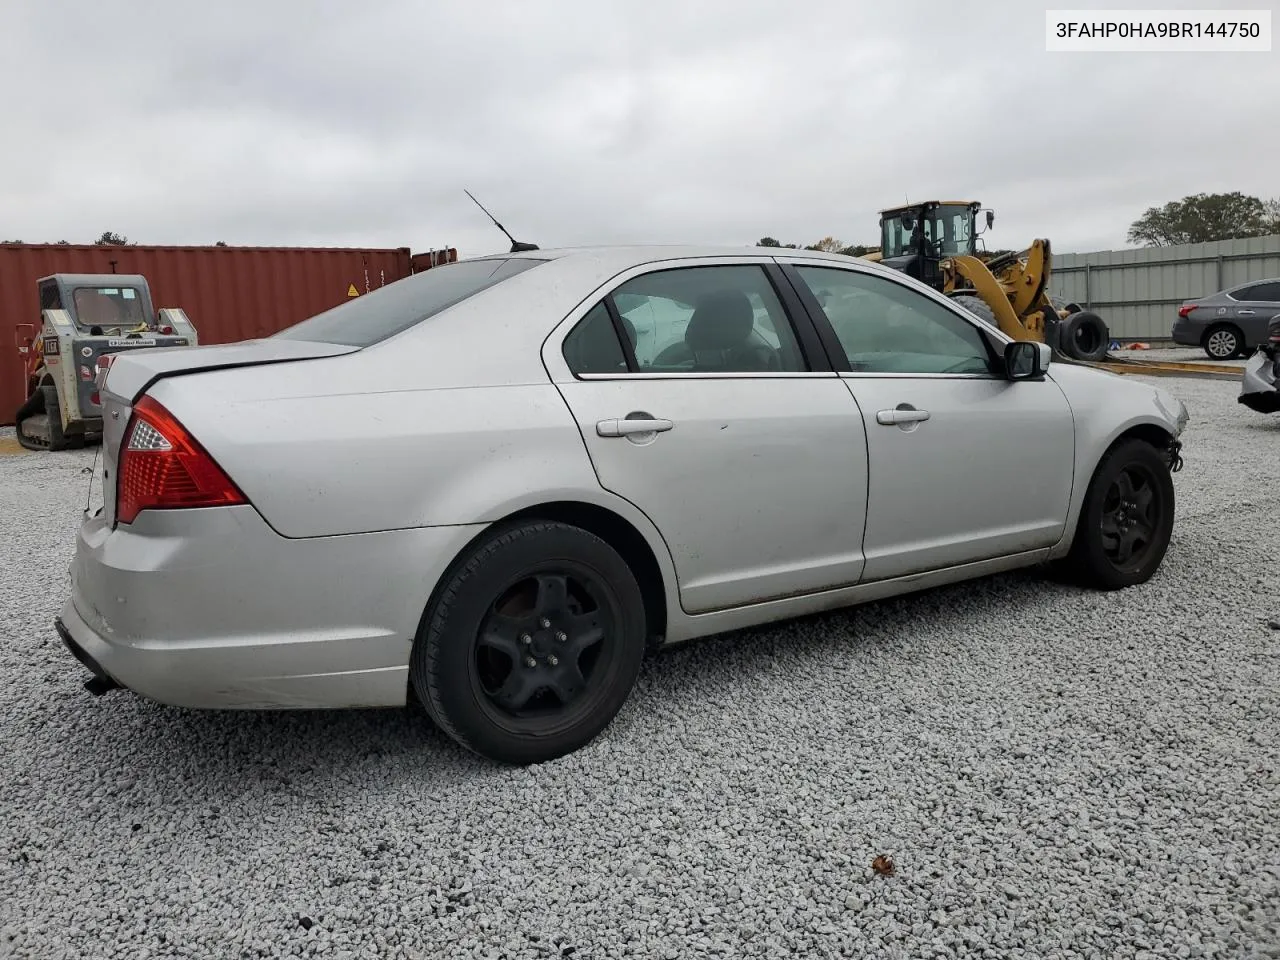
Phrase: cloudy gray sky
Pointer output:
(581, 121)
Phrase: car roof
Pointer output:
(621, 256)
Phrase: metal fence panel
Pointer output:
(1137, 292)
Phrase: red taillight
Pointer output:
(1184, 310)
(167, 331)
(162, 467)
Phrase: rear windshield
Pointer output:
(366, 319)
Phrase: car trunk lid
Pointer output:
(131, 374)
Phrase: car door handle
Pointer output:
(1244, 313)
(628, 428)
(891, 418)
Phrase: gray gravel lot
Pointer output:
(1055, 774)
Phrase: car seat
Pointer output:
(719, 332)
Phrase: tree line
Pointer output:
(1203, 217)
(109, 238)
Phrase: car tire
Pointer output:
(542, 593)
(1223, 341)
(1129, 501)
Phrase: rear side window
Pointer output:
(1267, 292)
(365, 320)
(593, 347)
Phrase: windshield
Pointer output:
(117, 307)
(952, 224)
(365, 320)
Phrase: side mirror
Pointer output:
(991, 218)
(1026, 360)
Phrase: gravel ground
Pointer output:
(1054, 774)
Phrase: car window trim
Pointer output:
(807, 336)
(840, 359)
(619, 331)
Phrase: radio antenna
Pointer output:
(516, 245)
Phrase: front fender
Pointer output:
(1107, 407)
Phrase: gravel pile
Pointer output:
(1052, 773)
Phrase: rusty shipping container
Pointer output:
(230, 293)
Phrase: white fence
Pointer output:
(1137, 292)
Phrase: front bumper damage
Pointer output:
(1260, 383)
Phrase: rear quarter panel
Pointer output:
(389, 459)
(455, 421)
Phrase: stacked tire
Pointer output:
(1083, 335)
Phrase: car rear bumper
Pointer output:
(213, 609)
(1186, 333)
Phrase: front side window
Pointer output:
(717, 319)
(365, 320)
(886, 327)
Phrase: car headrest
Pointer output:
(720, 321)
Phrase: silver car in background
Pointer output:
(494, 485)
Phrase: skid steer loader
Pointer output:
(935, 241)
(84, 320)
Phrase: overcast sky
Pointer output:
(584, 121)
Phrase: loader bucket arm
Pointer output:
(1025, 277)
(988, 288)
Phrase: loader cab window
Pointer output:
(49, 297)
(109, 307)
(950, 226)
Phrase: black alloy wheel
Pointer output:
(1131, 514)
(532, 642)
(1126, 520)
(538, 652)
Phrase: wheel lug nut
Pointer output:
(553, 660)
(526, 639)
(561, 636)
(530, 662)
(545, 623)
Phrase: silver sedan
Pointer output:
(494, 485)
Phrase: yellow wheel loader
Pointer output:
(935, 241)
